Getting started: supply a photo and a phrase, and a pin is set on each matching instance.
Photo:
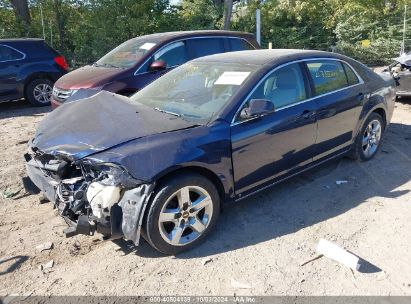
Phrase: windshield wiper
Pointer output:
(107, 65)
(167, 112)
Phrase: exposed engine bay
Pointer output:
(91, 196)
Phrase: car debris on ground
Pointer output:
(47, 266)
(45, 246)
(206, 261)
(332, 251)
(239, 285)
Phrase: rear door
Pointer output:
(340, 95)
(238, 44)
(204, 46)
(10, 60)
(277, 144)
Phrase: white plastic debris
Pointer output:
(340, 182)
(239, 285)
(45, 246)
(338, 254)
(47, 266)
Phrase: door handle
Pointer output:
(360, 96)
(307, 114)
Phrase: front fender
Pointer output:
(150, 158)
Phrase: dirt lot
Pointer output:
(257, 248)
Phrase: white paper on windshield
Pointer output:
(147, 46)
(232, 78)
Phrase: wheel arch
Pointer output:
(207, 173)
(38, 75)
(380, 111)
(367, 111)
(34, 76)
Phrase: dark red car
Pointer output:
(138, 61)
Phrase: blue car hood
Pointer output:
(88, 126)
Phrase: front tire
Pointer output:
(368, 141)
(182, 213)
(38, 92)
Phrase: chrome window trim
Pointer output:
(361, 81)
(14, 49)
(182, 39)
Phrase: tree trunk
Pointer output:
(228, 13)
(61, 20)
(22, 12)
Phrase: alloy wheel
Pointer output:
(42, 92)
(185, 215)
(371, 138)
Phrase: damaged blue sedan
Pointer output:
(161, 163)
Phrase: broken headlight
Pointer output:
(106, 183)
(110, 174)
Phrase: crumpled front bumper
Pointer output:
(43, 182)
(125, 218)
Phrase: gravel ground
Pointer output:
(257, 248)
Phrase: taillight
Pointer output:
(61, 62)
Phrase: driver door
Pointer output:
(266, 148)
(174, 54)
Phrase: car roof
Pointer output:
(186, 34)
(21, 40)
(267, 57)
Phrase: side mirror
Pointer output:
(257, 108)
(158, 65)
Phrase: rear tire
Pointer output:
(368, 141)
(182, 213)
(38, 92)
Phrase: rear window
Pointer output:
(327, 75)
(351, 76)
(8, 54)
(238, 44)
(200, 47)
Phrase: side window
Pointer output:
(7, 54)
(351, 77)
(238, 44)
(206, 46)
(327, 75)
(173, 54)
(283, 87)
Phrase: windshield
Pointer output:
(195, 91)
(127, 54)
